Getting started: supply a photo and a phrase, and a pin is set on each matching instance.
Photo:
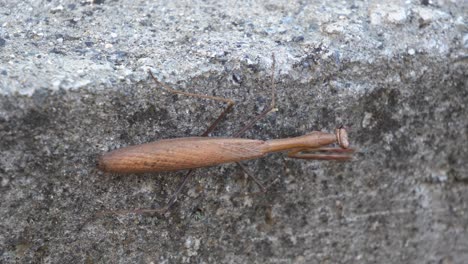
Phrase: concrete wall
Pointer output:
(74, 84)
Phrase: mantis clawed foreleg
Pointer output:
(325, 153)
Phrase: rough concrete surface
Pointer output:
(74, 84)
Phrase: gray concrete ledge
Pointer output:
(74, 84)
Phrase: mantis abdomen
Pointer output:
(180, 154)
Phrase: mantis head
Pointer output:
(342, 137)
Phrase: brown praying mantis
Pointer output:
(190, 153)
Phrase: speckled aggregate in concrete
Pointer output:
(74, 84)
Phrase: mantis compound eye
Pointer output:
(342, 137)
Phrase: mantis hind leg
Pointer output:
(173, 198)
(230, 105)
